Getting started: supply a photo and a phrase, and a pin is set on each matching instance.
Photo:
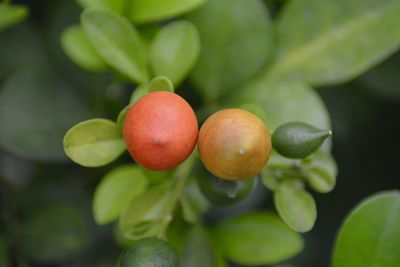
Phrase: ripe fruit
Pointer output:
(223, 192)
(298, 140)
(234, 144)
(160, 130)
(149, 252)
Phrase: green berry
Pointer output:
(298, 140)
(149, 252)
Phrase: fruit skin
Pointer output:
(234, 144)
(149, 252)
(160, 130)
(298, 140)
(223, 192)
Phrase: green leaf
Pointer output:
(139, 91)
(80, 50)
(11, 14)
(94, 143)
(4, 257)
(286, 100)
(325, 45)
(60, 231)
(370, 235)
(115, 192)
(117, 42)
(257, 239)
(161, 83)
(175, 50)
(35, 113)
(116, 5)
(295, 206)
(148, 214)
(153, 10)
(121, 118)
(236, 40)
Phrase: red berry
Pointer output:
(160, 130)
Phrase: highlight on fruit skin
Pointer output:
(160, 130)
(149, 252)
(234, 144)
(298, 140)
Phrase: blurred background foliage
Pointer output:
(46, 215)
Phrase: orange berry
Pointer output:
(160, 130)
(234, 144)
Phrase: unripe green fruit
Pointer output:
(234, 144)
(223, 192)
(149, 252)
(298, 140)
(160, 130)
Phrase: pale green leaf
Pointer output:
(370, 235)
(11, 14)
(80, 50)
(175, 50)
(296, 206)
(94, 143)
(116, 5)
(333, 41)
(153, 10)
(236, 39)
(116, 190)
(256, 239)
(161, 83)
(117, 42)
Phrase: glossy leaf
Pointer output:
(66, 237)
(117, 42)
(94, 143)
(161, 83)
(236, 40)
(11, 14)
(256, 239)
(325, 45)
(35, 113)
(296, 206)
(116, 5)
(80, 50)
(370, 235)
(116, 190)
(175, 50)
(153, 10)
(148, 214)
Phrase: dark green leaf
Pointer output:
(116, 190)
(35, 113)
(175, 50)
(236, 40)
(325, 45)
(256, 239)
(4, 257)
(152, 10)
(370, 235)
(296, 206)
(117, 42)
(94, 143)
(11, 14)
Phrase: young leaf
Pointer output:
(148, 214)
(325, 45)
(117, 42)
(153, 10)
(116, 190)
(233, 51)
(295, 206)
(80, 50)
(11, 14)
(94, 143)
(256, 239)
(175, 50)
(370, 235)
(116, 5)
(298, 139)
(161, 83)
